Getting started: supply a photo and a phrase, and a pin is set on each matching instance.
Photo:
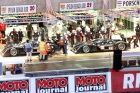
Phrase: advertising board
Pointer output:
(83, 83)
(18, 9)
(91, 83)
(126, 81)
(15, 85)
(52, 85)
(127, 3)
(76, 6)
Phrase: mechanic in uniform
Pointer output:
(61, 43)
(42, 33)
(14, 36)
(20, 35)
(137, 29)
(49, 52)
(36, 35)
(135, 41)
(69, 36)
(65, 43)
(87, 35)
(78, 34)
(29, 29)
(58, 35)
(43, 49)
(123, 37)
(70, 26)
(48, 38)
(28, 50)
(92, 32)
(16, 39)
(8, 39)
(0, 37)
(83, 29)
(72, 38)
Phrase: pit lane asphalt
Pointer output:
(76, 61)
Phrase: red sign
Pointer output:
(32, 8)
(14, 86)
(126, 81)
(52, 85)
(90, 83)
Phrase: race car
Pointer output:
(100, 45)
(18, 49)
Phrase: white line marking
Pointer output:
(94, 59)
(44, 62)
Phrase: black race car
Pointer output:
(100, 45)
(15, 50)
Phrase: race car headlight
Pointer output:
(101, 47)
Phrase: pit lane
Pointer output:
(75, 61)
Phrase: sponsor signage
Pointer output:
(14, 86)
(52, 85)
(128, 81)
(127, 3)
(76, 6)
(19, 9)
(138, 11)
(80, 17)
(91, 83)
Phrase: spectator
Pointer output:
(18, 70)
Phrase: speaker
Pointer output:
(117, 60)
(41, 24)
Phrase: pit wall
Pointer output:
(124, 81)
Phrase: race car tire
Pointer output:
(53, 49)
(13, 52)
(86, 49)
(121, 46)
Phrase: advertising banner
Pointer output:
(52, 85)
(76, 6)
(127, 3)
(19, 9)
(14, 86)
(91, 83)
(126, 81)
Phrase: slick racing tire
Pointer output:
(53, 49)
(13, 52)
(86, 49)
(121, 46)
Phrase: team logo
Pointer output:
(62, 6)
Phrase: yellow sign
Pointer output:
(3, 9)
(62, 6)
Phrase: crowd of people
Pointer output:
(69, 35)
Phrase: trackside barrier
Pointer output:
(80, 83)
(66, 72)
(126, 80)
